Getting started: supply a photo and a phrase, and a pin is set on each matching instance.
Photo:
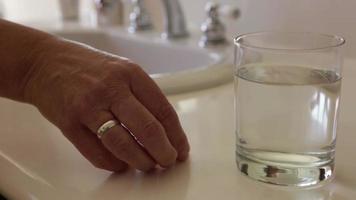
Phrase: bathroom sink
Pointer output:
(176, 66)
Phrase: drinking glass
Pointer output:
(287, 93)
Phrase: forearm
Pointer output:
(79, 89)
(20, 48)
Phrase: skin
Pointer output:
(78, 88)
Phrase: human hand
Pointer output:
(78, 89)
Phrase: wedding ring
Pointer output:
(105, 127)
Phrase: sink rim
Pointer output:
(216, 58)
(218, 72)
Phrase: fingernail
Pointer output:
(183, 156)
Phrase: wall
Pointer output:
(328, 16)
(30, 10)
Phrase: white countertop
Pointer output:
(37, 162)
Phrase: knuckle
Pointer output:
(167, 113)
(117, 144)
(152, 133)
(87, 99)
(81, 108)
(132, 68)
(118, 69)
(103, 89)
(151, 130)
(113, 77)
(78, 104)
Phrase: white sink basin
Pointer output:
(176, 66)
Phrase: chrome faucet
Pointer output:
(213, 29)
(174, 21)
(139, 18)
(109, 12)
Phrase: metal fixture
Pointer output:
(139, 18)
(213, 29)
(174, 21)
(229, 11)
(109, 12)
(69, 9)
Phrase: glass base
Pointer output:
(283, 173)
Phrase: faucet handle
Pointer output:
(213, 29)
(139, 18)
(211, 9)
(229, 11)
(109, 12)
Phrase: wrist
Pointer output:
(37, 61)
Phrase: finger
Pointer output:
(149, 94)
(92, 149)
(146, 129)
(125, 147)
(119, 142)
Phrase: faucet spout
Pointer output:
(174, 21)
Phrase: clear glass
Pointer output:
(287, 93)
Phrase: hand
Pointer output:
(79, 88)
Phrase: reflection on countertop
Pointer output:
(37, 162)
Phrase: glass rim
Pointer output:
(340, 41)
